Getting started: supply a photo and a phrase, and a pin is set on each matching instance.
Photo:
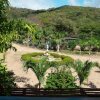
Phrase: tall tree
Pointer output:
(7, 28)
(62, 29)
(26, 31)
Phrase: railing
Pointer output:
(31, 92)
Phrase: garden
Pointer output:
(61, 76)
(68, 33)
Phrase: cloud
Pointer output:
(33, 4)
(92, 3)
(72, 2)
(45, 4)
(86, 3)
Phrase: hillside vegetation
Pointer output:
(73, 13)
(57, 24)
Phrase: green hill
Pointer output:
(73, 13)
(64, 22)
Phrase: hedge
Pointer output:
(65, 59)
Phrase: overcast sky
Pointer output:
(45, 4)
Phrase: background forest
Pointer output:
(57, 26)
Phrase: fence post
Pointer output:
(24, 92)
(82, 92)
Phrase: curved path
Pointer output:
(14, 63)
(24, 78)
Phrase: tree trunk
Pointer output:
(39, 85)
(58, 47)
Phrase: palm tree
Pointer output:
(83, 69)
(39, 68)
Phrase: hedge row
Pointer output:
(64, 59)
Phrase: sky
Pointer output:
(45, 4)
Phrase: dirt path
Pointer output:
(24, 78)
(14, 64)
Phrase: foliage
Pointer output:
(6, 78)
(7, 28)
(39, 63)
(60, 80)
(83, 69)
(68, 60)
(64, 59)
(26, 31)
(72, 44)
(39, 68)
(55, 25)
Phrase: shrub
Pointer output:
(36, 54)
(6, 79)
(55, 55)
(62, 79)
(27, 57)
(64, 59)
(68, 60)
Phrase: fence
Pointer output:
(32, 92)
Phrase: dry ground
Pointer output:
(15, 64)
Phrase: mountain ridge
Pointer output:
(69, 12)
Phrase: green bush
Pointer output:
(62, 80)
(68, 60)
(6, 79)
(55, 55)
(64, 59)
(26, 57)
(36, 54)
(29, 56)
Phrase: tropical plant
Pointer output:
(39, 68)
(62, 79)
(83, 69)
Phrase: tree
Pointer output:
(90, 43)
(83, 69)
(26, 31)
(7, 28)
(40, 68)
(47, 35)
(62, 29)
(89, 34)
